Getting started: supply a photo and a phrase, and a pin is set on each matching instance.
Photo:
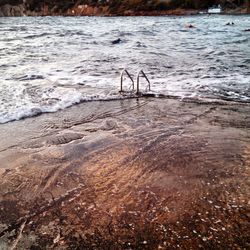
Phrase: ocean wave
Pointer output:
(34, 100)
(52, 104)
(39, 35)
(29, 77)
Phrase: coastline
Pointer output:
(137, 173)
(19, 10)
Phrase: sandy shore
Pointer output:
(131, 174)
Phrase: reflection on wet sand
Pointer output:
(131, 174)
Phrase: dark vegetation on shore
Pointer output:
(116, 7)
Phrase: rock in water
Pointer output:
(116, 41)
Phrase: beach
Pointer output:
(140, 173)
(84, 166)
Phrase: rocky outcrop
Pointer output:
(12, 10)
(87, 10)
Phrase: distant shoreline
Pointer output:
(19, 10)
(137, 15)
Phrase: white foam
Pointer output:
(43, 100)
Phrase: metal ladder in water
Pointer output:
(139, 75)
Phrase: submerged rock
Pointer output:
(116, 41)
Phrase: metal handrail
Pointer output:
(130, 77)
(138, 81)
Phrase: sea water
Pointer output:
(50, 63)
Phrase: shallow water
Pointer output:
(50, 63)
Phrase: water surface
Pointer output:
(50, 63)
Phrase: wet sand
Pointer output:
(130, 174)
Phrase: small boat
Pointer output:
(214, 10)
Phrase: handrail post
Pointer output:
(130, 77)
(121, 81)
(145, 76)
(138, 81)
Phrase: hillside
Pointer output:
(115, 7)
